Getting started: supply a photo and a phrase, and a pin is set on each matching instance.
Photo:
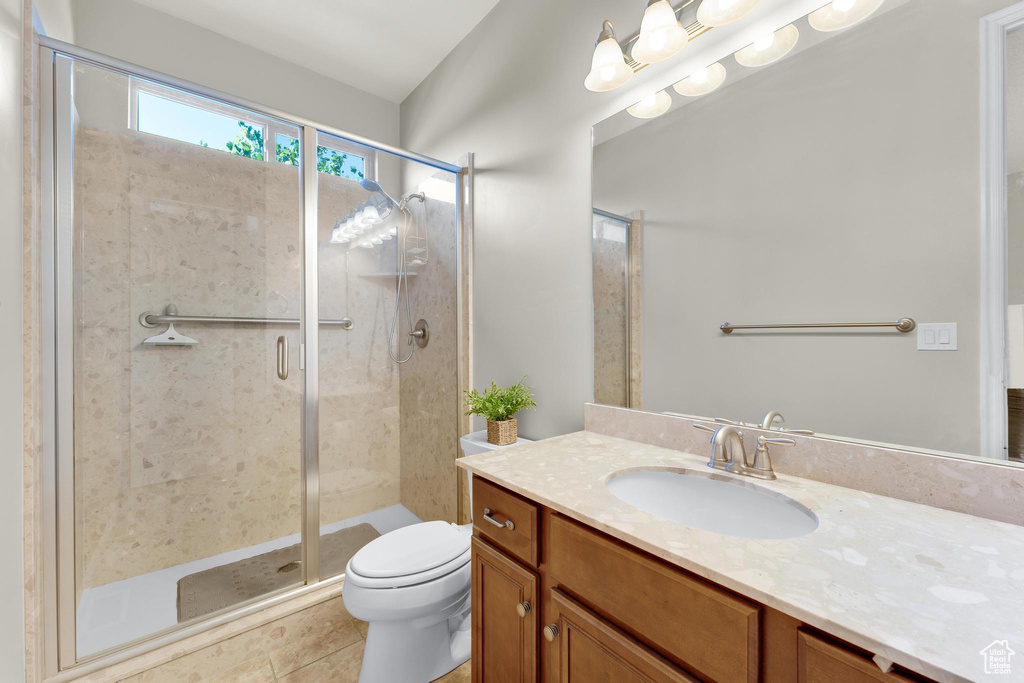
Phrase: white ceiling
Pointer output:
(385, 47)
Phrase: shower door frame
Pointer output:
(58, 595)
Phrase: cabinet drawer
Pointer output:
(590, 649)
(506, 520)
(713, 632)
(823, 661)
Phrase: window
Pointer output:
(181, 116)
(179, 121)
(339, 163)
(332, 161)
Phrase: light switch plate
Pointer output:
(936, 336)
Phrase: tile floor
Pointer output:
(322, 643)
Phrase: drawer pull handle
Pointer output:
(523, 608)
(507, 524)
(551, 632)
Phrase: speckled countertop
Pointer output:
(920, 586)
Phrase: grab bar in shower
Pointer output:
(170, 316)
(902, 325)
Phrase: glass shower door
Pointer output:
(180, 221)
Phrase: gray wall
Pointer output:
(144, 36)
(839, 184)
(512, 92)
(12, 618)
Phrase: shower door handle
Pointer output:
(282, 357)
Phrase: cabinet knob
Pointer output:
(551, 632)
(523, 608)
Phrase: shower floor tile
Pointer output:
(118, 612)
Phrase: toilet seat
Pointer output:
(411, 555)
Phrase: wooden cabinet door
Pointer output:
(505, 614)
(590, 650)
(822, 661)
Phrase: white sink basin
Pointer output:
(714, 503)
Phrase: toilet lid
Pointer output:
(411, 550)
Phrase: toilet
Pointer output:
(413, 586)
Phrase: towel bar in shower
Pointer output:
(902, 325)
(170, 316)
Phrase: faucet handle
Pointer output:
(781, 441)
(802, 432)
(762, 467)
(705, 428)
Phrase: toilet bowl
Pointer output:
(413, 586)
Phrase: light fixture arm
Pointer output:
(607, 31)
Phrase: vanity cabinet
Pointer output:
(557, 601)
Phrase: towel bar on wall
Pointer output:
(170, 316)
(902, 325)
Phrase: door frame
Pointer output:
(994, 359)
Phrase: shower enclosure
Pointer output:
(220, 286)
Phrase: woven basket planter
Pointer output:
(502, 433)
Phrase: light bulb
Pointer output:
(661, 35)
(372, 216)
(769, 48)
(840, 14)
(608, 69)
(764, 42)
(651, 106)
(722, 12)
(702, 81)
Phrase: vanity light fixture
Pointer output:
(608, 69)
(701, 81)
(771, 47)
(661, 34)
(840, 14)
(651, 106)
(722, 12)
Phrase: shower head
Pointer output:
(374, 187)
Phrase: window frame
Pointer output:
(271, 127)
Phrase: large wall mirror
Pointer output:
(841, 183)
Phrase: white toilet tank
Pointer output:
(477, 442)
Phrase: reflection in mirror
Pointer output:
(838, 184)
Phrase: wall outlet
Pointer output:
(936, 337)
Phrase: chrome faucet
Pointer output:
(729, 454)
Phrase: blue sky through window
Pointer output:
(180, 121)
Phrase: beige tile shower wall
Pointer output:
(429, 388)
(636, 310)
(186, 452)
(359, 385)
(975, 486)
(610, 333)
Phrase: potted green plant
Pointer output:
(499, 405)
